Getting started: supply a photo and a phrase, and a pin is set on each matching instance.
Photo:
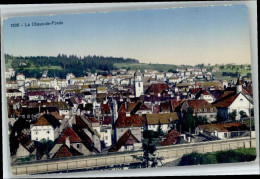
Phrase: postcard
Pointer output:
(128, 89)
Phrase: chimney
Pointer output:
(67, 141)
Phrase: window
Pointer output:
(205, 110)
(106, 137)
(36, 133)
(36, 138)
(139, 85)
(199, 110)
(211, 109)
(79, 146)
(225, 135)
(47, 132)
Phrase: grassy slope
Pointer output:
(143, 66)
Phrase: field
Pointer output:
(145, 66)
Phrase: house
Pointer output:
(165, 120)
(135, 123)
(106, 136)
(172, 80)
(175, 103)
(66, 150)
(83, 128)
(68, 78)
(143, 109)
(231, 101)
(36, 95)
(10, 72)
(20, 77)
(26, 147)
(126, 142)
(200, 107)
(156, 89)
(204, 94)
(46, 127)
(165, 107)
(170, 138)
(11, 85)
(13, 93)
(73, 141)
(223, 130)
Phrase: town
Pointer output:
(52, 118)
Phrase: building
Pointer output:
(231, 101)
(200, 107)
(166, 120)
(73, 141)
(46, 127)
(222, 131)
(126, 142)
(138, 84)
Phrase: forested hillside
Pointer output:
(33, 66)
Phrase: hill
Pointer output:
(34, 66)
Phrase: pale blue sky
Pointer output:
(193, 35)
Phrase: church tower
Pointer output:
(138, 84)
(238, 86)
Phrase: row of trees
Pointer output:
(71, 63)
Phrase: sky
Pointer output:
(190, 36)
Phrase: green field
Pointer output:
(43, 68)
(145, 66)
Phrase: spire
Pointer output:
(238, 85)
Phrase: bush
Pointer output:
(191, 159)
(233, 156)
(230, 156)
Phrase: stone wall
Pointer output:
(99, 160)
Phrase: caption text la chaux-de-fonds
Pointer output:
(36, 24)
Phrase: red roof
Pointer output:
(65, 151)
(202, 104)
(171, 138)
(131, 121)
(195, 90)
(157, 88)
(126, 139)
(74, 138)
(175, 103)
(219, 127)
(143, 107)
(93, 119)
(226, 99)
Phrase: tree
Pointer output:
(188, 120)
(242, 114)
(149, 158)
(44, 146)
(159, 129)
(232, 115)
